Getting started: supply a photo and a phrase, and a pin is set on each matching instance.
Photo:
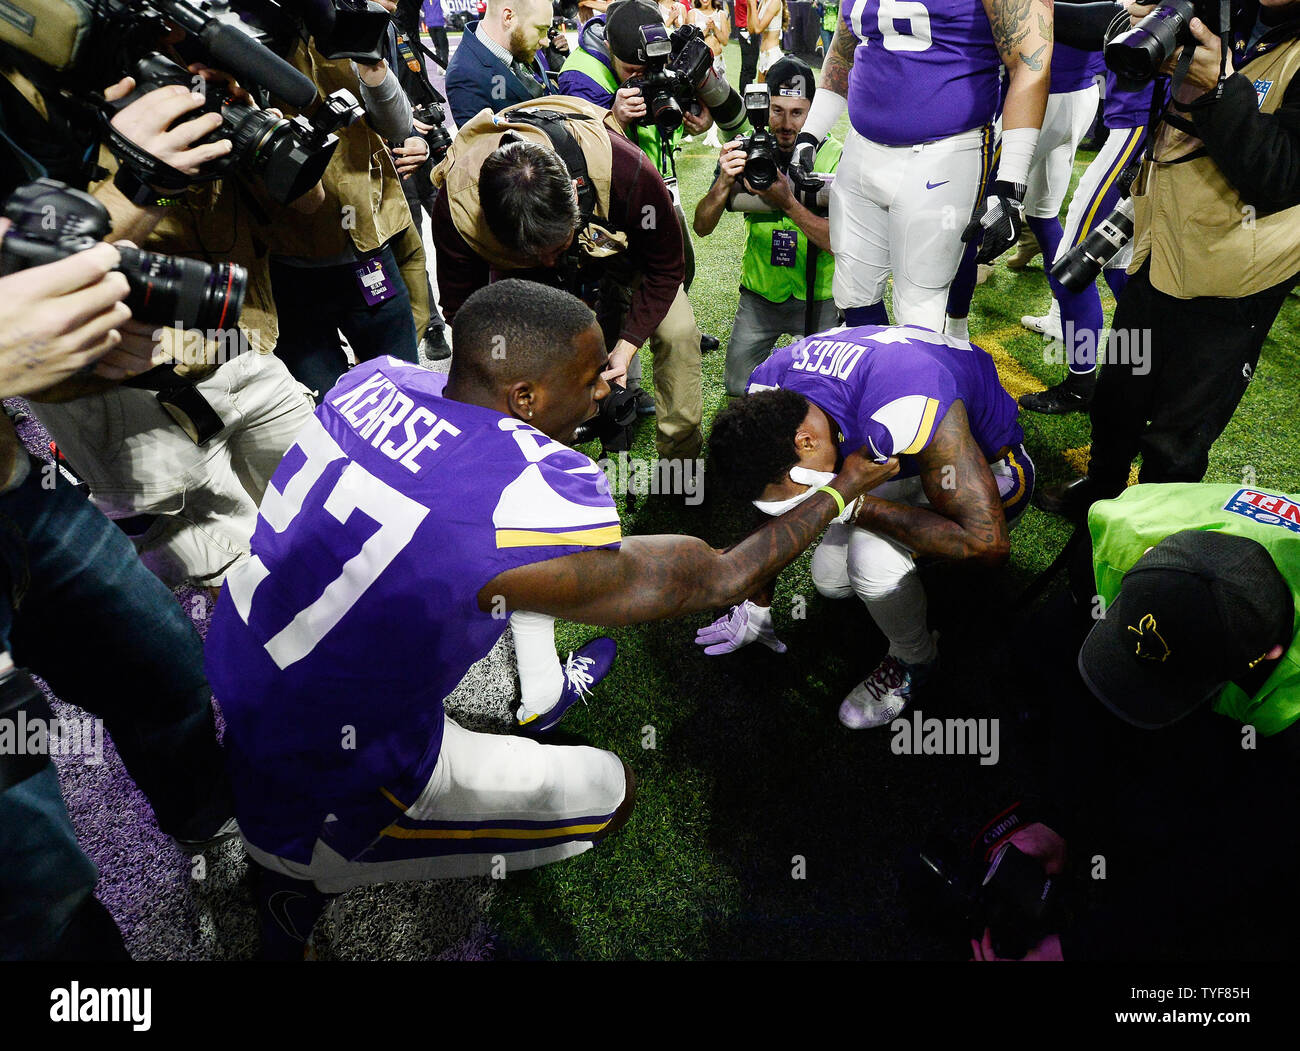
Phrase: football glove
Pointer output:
(804, 154)
(745, 623)
(1001, 216)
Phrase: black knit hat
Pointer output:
(1197, 611)
(623, 21)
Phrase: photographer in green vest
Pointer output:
(787, 269)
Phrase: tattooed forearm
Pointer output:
(835, 70)
(1009, 20)
(966, 521)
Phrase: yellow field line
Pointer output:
(1015, 377)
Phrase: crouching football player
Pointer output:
(932, 401)
(401, 527)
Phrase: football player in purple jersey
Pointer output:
(404, 525)
(920, 83)
(933, 401)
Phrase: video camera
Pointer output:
(765, 161)
(165, 289)
(678, 73)
(1137, 54)
(288, 155)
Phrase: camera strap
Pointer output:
(553, 125)
(145, 166)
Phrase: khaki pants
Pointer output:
(679, 391)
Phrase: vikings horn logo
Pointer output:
(1150, 645)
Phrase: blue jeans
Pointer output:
(315, 303)
(79, 610)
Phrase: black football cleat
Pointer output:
(1063, 398)
(709, 343)
(1073, 499)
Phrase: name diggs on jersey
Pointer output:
(828, 357)
(374, 408)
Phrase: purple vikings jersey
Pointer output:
(1126, 109)
(889, 388)
(332, 648)
(1074, 70)
(922, 71)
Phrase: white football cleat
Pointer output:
(881, 697)
(1048, 325)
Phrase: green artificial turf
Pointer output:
(750, 771)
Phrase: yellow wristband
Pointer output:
(839, 500)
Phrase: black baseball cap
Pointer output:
(791, 77)
(623, 22)
(1195, 612)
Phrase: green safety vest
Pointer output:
(776, 284)
(1143, 515)
(831, 16)
(646, 137)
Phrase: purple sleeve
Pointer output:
(579, 85)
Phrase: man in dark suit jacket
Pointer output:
(496, 64)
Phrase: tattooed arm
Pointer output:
(654, 577)
(967, 520)
(1022, 31)
(835, 69)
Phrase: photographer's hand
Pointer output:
(697, 125)
(59, 319)
(148, 122)
(410, 155)
(1203, 73)
(780, 195)
(629, 106)
(731, 162)
(619, 359)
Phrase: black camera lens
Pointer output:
(1079, 267)
(1138, 54)
(761, 169)
(664, 112)
(171, 290)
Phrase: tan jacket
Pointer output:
(458, 173)
(1201, 237)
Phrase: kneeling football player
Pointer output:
(932, 401)
(402, 527)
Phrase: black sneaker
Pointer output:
(708, 343)
(645, 404)
(1063, 398)
(434, 344)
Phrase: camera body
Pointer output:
(438, 137)
(678, 75)
(762, 166)
(1138, 54)
(51, 221)
(288, 155)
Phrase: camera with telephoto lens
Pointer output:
(678, 73)
(1079, 267)
(1010, 894)
(289, 155)
(762, 166)
(438, 138)
(613, 420)
(1138, 54)
(51, 221)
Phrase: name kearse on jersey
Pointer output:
(376, 407)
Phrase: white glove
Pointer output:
(745, 623)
